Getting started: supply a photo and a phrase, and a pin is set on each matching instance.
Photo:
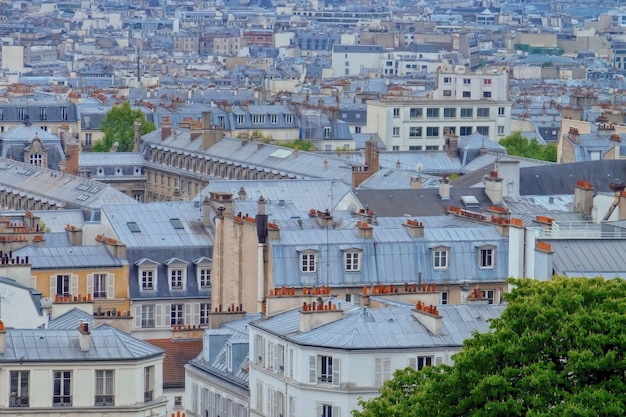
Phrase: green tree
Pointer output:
(518, 145)
(118, 126)
(557, 350)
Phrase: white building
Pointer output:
(462, 103)
(319, 363)
(350, 60)
(20, 306)
(79, 372)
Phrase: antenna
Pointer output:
(4, 295)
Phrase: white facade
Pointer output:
(350, 60)
(491, 84)
(154, 319)
(20, 307)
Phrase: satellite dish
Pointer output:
(46, 303)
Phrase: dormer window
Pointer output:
(289, 118)
(327, 132)
(177, 273)
(352, 260)
(308, 261)
(203, 272)
(440, 257)
(486, 257)
(147, 274)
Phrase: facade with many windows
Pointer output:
(312, 362)
(97, 371)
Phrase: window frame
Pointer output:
(415, 132)
(440, 257)
(147, 276)
(205, 312)
(177, 314)
(449, 112)
(104, 391)
(148, 316)
(395, 131)
(350, 258)
(432, 113)
(432, 131)
(100, 282)
(64, 380)
(487, 257)
(416, 112)
(22, 383)
(177, 278)
(396, 111)
(480, 112)
(308, 262)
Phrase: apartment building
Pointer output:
(461, 104)
(350, 60)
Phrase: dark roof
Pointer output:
(418, 202)
(562, 178)
(177, 354)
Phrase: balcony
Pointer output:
(105, 400)
(62, 401)
(19, 402)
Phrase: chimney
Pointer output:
(206, 211)
(414, 227)
(166, 128)
(453, 143)
(195, 130)
(493, 187)
(444, 188)
(137, 136)
(573, 134)
(210, 134)
(3, 338)
(583, 198)
(371, 156)
(318, 313)
(72, 154)
(242, 194)
(366, 231)
(509, 171)
(218, 198)
(428, 316)
(85, 336)
(75, 234)
(398, 164)
(261, 205)
(324, 218)
(415, 183)
(325, 164)
(543, 261)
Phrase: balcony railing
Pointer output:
(62, 401)
(147, 396)
(19, 402)
(105, 400)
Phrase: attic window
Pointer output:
(133, 227)
(177, 224)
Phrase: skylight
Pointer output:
(133, 227)
(177, 224)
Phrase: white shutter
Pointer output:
(167, 312)
(335, 411)
(259, 397)
(196, 313)
(312, 369)
(187, 313)
(319, 410)
(386, 369)
(74, 285)
(53, 286)
(438, 360)
(90, 284)
(275, 364)
(158, 315)
(336, 371)
(378, 378)
(137, 316)
(110, 285)
(413, 362)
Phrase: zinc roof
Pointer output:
(43, 257)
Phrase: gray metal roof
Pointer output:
(43, 257)
(384, 328)
(70, 320)
(59, 345)
(89, 159)
(589, 256)
(154, 222)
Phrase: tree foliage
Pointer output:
(557, 350)
(118, 126)
(518, 145)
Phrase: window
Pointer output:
(415, 131)
(440, 258)
(147, 279)
(467, 94)
(63, 113)
(62, 389)
(325, 369)
(148, 383)
(396, 131)
(449, 130)
(178, 401)
(352, 261)
(482, 112)
(357, 129)
(205, 310)
(35, 159)
(489, 295)
(466, 113)
(396, 112)
(487, 258)
(447, 93)
(444, 297)
(486, 94)
(415, 112)
(42, 113)
(308, 262)
(258, 119)
(328, 410)
(423, 361)
(241, 119)
(21, 112)
(487, 81)
(432, 112)
(483, 130)
(88, 139)
(447, 80)
(176, 314)
(19, 389)
(500, 111)
(415, 148)
(432, 131)
(289, 118)
(500, 130)
(449, 112)
(382, 371)
(147, 316)
(467, 81)
(465, 130)
(395, 148)
(327, 132)
(176, 279)
(100, 285)
(63, 284)
(273, 119)
(432, 147)
(104, 388)
(205, 278)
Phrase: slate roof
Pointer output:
(562, 178)
(384, 328)
(69, 257)
(589, 257)
(70, 320)
(14, 141)
(177, 353)
(62, 345)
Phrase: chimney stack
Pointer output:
(493, 187)
(85, 336)
(444, 188)
(137, 136)
(583, 198)
(429, 317)
(318, 313)
(166, 128)
(242, 194)
(366, 231)
(415, 183)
